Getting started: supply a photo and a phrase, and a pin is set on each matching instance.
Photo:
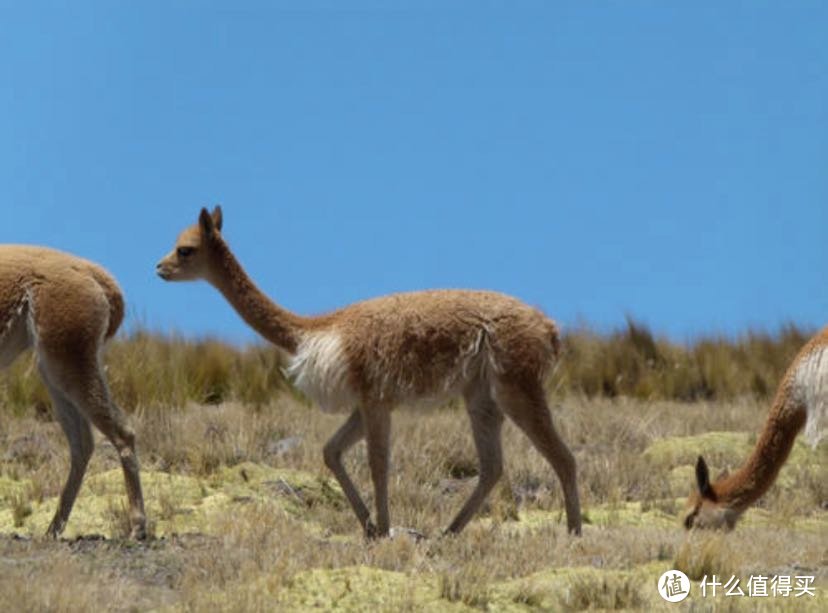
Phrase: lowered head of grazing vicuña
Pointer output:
(801, 402)
(707, 510)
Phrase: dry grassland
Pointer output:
(245, 516)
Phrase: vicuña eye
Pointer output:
(185, 251)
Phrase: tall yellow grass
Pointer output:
(635, 363)
(150, 370)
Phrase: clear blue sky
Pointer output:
(666, 160)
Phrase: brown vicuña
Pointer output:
(65, 308)
(403, 349)
(801, 401)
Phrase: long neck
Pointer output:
(753, 479)
(278, 325)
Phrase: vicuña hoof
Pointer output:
(139, 533)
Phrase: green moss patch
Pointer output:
(728, 451)
(361, 588)
(174, 503)
(719, 448)
(579, 588)
(11, 488)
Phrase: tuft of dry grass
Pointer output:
(633, 362)
(706, 555)
(606, 591)
(21, 508)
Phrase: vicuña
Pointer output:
(407, 349)
(801, 401)
(65, 308)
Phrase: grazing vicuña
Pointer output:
(801, 400)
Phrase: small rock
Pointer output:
(283, 488)
(283, 446)
(29, 449)
(450, 485)
(414, 535)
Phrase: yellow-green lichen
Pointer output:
(719, 448)
(174, 503)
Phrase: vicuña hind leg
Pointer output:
(528, 409)
(81, 381)
(486, 421)
(81, 445)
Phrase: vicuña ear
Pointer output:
(206, 222)
(703, 479)
(217, 217)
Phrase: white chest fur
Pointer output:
(319, 369)
(811, 380)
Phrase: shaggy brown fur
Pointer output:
(411, 348)
(802, 397)
(65, 308)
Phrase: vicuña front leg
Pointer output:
(377, 425)
(350, 433)
(486, 421)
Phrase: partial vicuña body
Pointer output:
(404, 349)
(65, 308)
(801, 401)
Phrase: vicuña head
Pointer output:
(411, 348)
(801, 400)
(190, 260)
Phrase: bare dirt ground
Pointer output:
(245, 516)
